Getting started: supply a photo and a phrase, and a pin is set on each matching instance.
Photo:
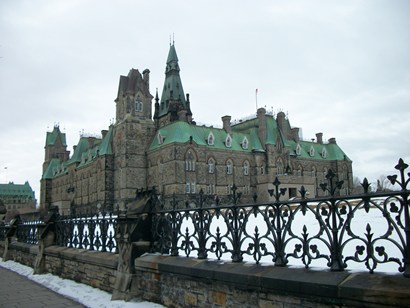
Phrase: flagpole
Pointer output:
(256, 99)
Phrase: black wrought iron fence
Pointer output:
(370, 230)
(26, 232)
(88, 231)
(2, 231)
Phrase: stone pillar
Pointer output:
(45, 237)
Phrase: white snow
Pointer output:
(81, 293)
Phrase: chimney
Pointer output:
(319, 138)
(226, 122)
(332, 140)
(283, 124)
(104, 133)
(295, 133)
(145, 77)
(260, 113)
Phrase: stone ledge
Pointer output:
(329, 287)
(27, 248)
(105, 259)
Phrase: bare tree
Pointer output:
(383, 184)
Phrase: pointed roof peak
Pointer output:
(172, 54)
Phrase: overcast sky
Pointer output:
(337, 67)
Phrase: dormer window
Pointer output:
(211, 139)
(138, 106)
(245, 143)
(160, 138)
(228, 141)
(298, 149)
(324, 153)
(312, 151)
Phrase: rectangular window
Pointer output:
(193, 188)
(187, 188)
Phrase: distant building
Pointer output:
(19, 197)
(169, 151)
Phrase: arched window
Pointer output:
(138, 105)
(313, 171)
(245, 167)
(190, 162)
(279, 167)
(211, 165)
(229, 166)
(300, 171)
(211, 139)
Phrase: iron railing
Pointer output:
(2, 231)
(88, 231)
(26, 232)
(370, 230)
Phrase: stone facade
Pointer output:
(169, 151)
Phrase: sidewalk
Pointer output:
(19, 291)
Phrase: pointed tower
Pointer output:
(132, 133)
(173, 105)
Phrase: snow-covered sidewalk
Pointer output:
(81, 293)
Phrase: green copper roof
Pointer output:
(20, 190)
(51, 168)
(172, 89)
(84, 153)
(52, 136)
(181, 132)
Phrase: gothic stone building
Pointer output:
(170, 152)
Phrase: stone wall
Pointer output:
(186, 282)
(93, 268)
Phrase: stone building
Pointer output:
(169, 151)
(18, 198)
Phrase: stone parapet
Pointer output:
(180, 281)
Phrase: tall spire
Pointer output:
(172, 91)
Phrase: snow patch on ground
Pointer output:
(81, 293)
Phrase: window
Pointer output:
(312, 151)
(245, 167)
(300, 171)
(211, 165)
(138, 106)
(324, 153)
(211, 139)
(228, 189)
(211, 189)
(313, 171)
(245, 143)
(190, 162)
(228, 141)
(246, 190)
(298, 149)
(190, 187)
(279, 168)
(229, 167)
(160, 138)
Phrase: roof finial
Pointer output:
(173, 38)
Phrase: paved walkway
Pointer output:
(19, 291)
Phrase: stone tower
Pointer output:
(133, 130)
(174, 106)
